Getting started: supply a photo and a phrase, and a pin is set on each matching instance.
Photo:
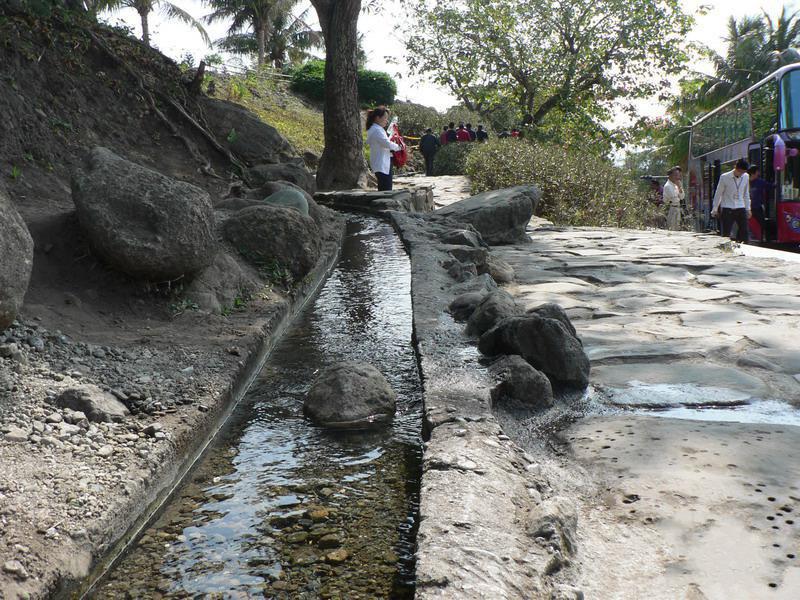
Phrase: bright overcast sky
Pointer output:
(384, 45)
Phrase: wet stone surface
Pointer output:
(279, 508)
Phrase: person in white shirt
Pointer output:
(732, 200)
(380, 147)
(673, 196)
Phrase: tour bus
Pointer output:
(746, 127)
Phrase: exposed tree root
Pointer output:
(205, 163)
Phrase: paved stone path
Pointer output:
(446, 188)
(692, 480)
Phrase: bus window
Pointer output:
(726, 127)
(790, 180)
(764, 102)
(790, 100)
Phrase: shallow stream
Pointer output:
(279, 508)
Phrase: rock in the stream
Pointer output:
(270, 236)
(492, 309)
(16, 250)
(142, 222)
(498, 269)
(545, 343)
(520, 386)
(350, 395)
(500, 216)
(97, 405)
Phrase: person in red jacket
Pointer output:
(443, 136)
(462, 135)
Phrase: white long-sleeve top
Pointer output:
(380, 158)
(732, 192)
(672, 194)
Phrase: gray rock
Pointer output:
(463, 237)
(554, 311)
(545, 343)
(16, 568)
(350, 395)
(292, 172)
(244, 198)
(520, 386)
(269, 236)
(494, 307)
(498, 269)
(289, 198)
(247, 136)
(97, 405)
(219, 285)
(141, 222)
(16, 249)
(463, 305)
(500, 216)
(16, 434)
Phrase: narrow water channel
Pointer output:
(279, 508)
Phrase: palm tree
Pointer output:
(145, 7)
(255, 15)
(292, 38)
(782, 39)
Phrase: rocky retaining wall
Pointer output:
(413, 198)
(490, 524)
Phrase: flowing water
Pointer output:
(279, 508)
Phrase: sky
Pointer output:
(384, 46)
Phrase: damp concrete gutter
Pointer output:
(490, 524)
(130, 513)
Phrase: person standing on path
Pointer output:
(451, 133)
(462, 135)
(443, 136)
(428, 145)
(732, 200)
(673, 197)
(472, 134)
(481, 134)
(380, 147)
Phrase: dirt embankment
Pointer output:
(70, 486)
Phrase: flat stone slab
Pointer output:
(635, 374)
(722, 317)
(791, 304)
(760, 288)
(785, 360)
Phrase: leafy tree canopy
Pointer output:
(552, 60)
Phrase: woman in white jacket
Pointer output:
(380, 147)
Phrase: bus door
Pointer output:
(754, 158)
(769, 175)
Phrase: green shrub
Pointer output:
(413, 119)
(578, 188)
(374, 87)
(309, 79)
(451, 159)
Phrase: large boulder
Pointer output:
(16, 249)
(289, 198)
(519, 385)
(498, 269)
(350, 395)
(247, 136)
(463, 305)
(293, 172)
(545, 343)
(218, 286)
(97, 405)
(500, 216)
(143, 223)
(492, 309)
(271, 236)
(552, 310)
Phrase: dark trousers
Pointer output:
(429, 164)
(384, 181)
(758, 213)
(738, 216)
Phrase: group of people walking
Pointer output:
(430, 143)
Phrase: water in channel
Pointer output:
(279, 508)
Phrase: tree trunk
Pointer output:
(145, 27)
(262, 43)
(342, 164)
